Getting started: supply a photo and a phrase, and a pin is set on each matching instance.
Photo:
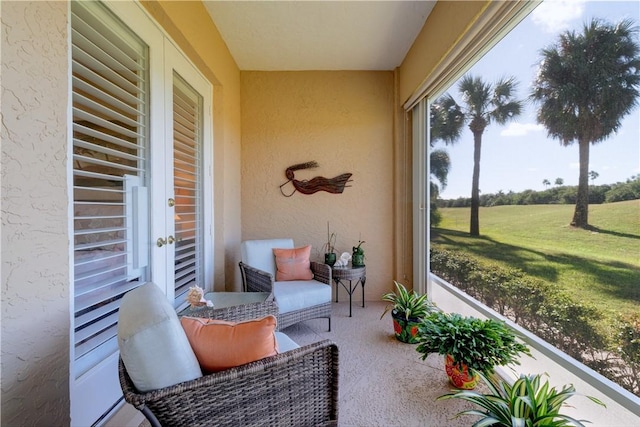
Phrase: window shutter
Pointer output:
(187, 176)
(110, 91)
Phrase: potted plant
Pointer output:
(528, 402)
(329, 247)
(470, 345)
(407, 311)
(357, 257)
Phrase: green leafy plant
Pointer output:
(528, 402)
(479, 344)
(407, 303)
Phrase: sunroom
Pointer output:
(184, 212)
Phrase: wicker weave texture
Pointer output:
(321, 272)
(254, 280)
(313, 312)
(295, 388)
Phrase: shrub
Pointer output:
(435, 216)
(534, 304)
(621, 193)
(627, 341)
(570, 325)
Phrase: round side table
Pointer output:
(355, 276)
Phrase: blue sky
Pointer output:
(519, 155)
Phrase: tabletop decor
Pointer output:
(357, 259)
(330, 248)
(344, 259)
(195, 297)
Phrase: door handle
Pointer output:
(161, 242)
(170, 240)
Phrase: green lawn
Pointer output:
(601, 266)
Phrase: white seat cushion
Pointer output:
(299, 294)
(285, 343)
(153, 345)
(259, 253)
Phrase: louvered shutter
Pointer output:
(110, 115)
(187, 175)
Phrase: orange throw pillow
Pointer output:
(220, 345)
(293, 264)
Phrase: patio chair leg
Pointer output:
(150, 416)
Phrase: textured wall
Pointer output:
(35, 242)
(342, 120)
(444, 26)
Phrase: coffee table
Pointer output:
(232, 299)
(235, 306)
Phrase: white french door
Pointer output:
(142, 148)
(181, 232)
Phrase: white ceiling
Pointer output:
(271, 35)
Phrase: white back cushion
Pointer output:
(153, 345)
(259, 253)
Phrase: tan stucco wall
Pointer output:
(447, 22)
(189, 25)
(342, 120)
(35, 230)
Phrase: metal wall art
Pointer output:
(334, 185)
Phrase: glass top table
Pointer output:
(232, 299)
(234, 306)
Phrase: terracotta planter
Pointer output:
(405, 330)
(460, 375)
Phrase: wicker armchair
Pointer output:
(258, 270)
(295, 388)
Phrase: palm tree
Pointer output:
(444, 118)
(593, 175)
(586, 84)
(484, 103)
(440, 165)
(559, 181)
(546, 182)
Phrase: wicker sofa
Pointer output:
(298, 387)
(297, 300)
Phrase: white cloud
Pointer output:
(554, 16)
(521, 129)
(574, 165)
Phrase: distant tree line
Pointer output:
(607, 193)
